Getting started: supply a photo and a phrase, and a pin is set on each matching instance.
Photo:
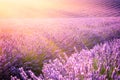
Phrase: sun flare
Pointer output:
(23, 8)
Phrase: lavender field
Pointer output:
(60, 49)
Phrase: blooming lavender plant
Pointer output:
(12, 57)
(100, 63)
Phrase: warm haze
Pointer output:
(57, 8)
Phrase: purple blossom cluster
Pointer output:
(26, 75)
(13, 55)
(100, 63)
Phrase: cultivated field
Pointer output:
(31, 43)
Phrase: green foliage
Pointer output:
(102, 70)
(95, 66)
(34, 62)
(81, 77)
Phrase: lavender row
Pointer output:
(100, 63)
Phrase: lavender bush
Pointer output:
(13, 56)
(100, 63)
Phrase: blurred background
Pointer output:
(59, 8)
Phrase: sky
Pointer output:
(58, 8)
